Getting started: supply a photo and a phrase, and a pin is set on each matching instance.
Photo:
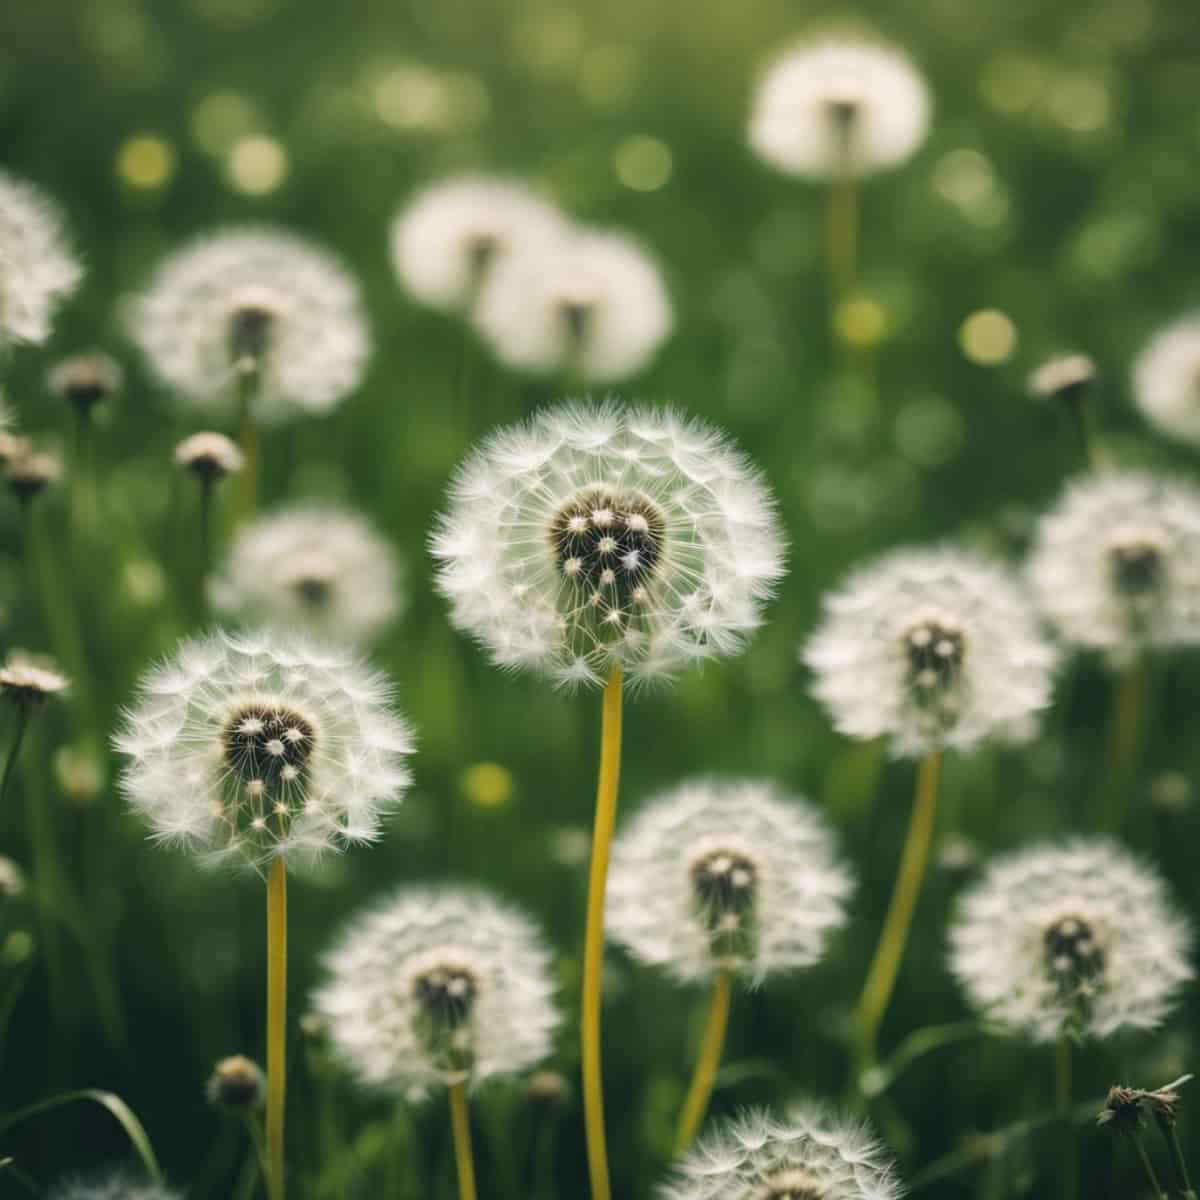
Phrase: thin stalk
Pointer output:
(1079, 401)
(460, 1124)
(14, 750)
(1062, 1106)
(842, 234)
(1167, 1126)
(247, 480)
(1147, 1166)
(276, 1022)
(1132, 687)
(1062, 1074)
(707, 1063)
(593, 949)
(206, 507)
(881, 978)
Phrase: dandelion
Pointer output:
(809, 1154)
(451, 236)
(258, 748)
(932, 648)
(38, 267)
(721, 878)
(1069, 380)
(85, 380)
(209, 456)
(30, 472)
(321, 569)
(1166, 380)
(595, 542)
(120, 1186)
(27, 684)
(237, 1084)
(590, 306)
(439, 988)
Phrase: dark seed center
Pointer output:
(725, 885)
(1072, 954)
(1137, 567)
(268, 744)
(250, 333)
(445, 1001)
(935, 658)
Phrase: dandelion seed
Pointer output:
(237, 1084)
(1166, 380)
(1078, 940)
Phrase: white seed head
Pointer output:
(590, 303)
(833, 106)
(202, 770)
(1062, 375)
(111, 1186)
(26, 680)
(450, 237)
(255, 300)
(809, 1154)
(436, 986)
(518, 548)
(1166, 380)
(210, 456)
(1077, 938)
(38, 267)
(30, 472)
(931, 648)
(1115, 564)
(84, 380)
(320, 569)
(733, 874)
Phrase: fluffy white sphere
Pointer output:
(830, 106)
(931, 648)
(258, 305)
(1115, 564)
(248, 747)
(38, 267)
(116, 1186)
(317, 568)
(450, 237)
(591, 304)
(591, 537)
(437, 986)
(1166, 380)
(733, 874)
(810, 1152)
(1077, 938)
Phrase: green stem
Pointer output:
(1167, 1126)
(1062, 1105)
(14, 750)
(1147, 1165)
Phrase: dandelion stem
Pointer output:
(1062, 1106)
(248, 477)
(593, 951)
(842, 234)
(14, 750)
(1062, 1074)
(460, 1124)
(276, 1021)
(1167, 1125)
(1079, 401)
(1129, 704)
(1147, 1166)
(881, 978)
(707, 1063)
(206, 506)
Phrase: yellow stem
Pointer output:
(460, 1123)
(593, 948)
(276, 1021)
(707, 1063)
(882, 976)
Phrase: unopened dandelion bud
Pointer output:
(86, 380)
(237, 1084)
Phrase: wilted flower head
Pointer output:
(38, 268)
(835, 106)
(933, 648)
(591, 303)
(726, 874)
(30, 681)
(810, 1154)
(451, 236)
(438, 986)
(238, 1084)
(311, 567)
(1166, 380)
(1115, 564)
(84, 380)
(112, 1186)
(260, 745)
(1077, 938)
(209, 456)
(30, 472)
(254, 305)
(593, 537)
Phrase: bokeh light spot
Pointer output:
(861, 321)
(220, 119)
(1080, 103)
(257, 164)
(145, 161)
(643, 163)
(929, 431)
(988, 337)
(487, 785)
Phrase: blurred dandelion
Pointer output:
(119, 1186)
(1166, 380)
(1069, 381)
(721, 878)
(12, 879)
(238, 1084)
(26, 683)
(30, 472)
(439, 988)
(85, 380)
(209, 457)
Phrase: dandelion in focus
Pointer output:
(718, 879)
(1068, 381)
(1166, 380)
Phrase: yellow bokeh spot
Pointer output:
(145, 161)
(988, 337)
(861, 321)
(487, 785)
(257, 164)
(643, 163)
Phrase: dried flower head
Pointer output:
(594, 537)
(835, 106)
(112, 1186)
(30, 472)
(257, 309)
(591, 304)
(810, 1154)
(933, 648)
(450, 236)
(38, 268)
(726, 874)
(30, 681)
(438, 986)
(1166, 380)
(316, 568)
(1078, 938)
(1063, 377)
(209, 456)
(237, 1084)
(1115, 564)
(86, 380)
(254, 746)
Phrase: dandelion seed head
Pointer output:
(596, 536)
(248, 747)
(209, 456)
(438, 986)
(30, 472)
(932, 648)
(831, 106)
(1166, 380)
(260, 303)
(1062, 376)
(119, 1185)
(30, 681)
(1077, 938)
(85, 380)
